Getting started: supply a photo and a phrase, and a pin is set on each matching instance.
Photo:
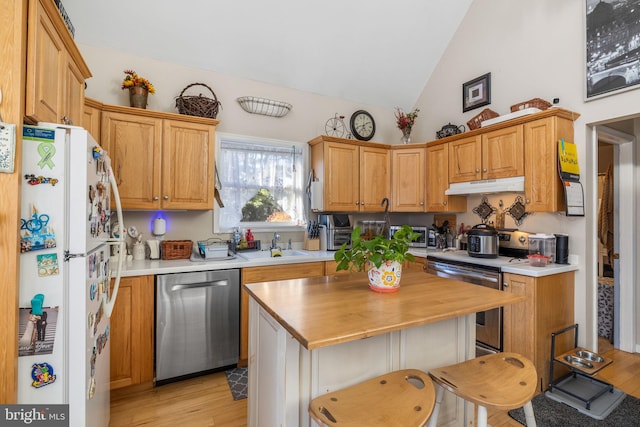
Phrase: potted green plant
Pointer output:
(382, 258)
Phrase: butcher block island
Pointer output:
(311, 336)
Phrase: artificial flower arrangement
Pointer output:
(132, 79)
(405, 121)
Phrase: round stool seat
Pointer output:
(404, 397)
(503, 380)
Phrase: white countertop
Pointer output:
(506, 264)
(152, 267)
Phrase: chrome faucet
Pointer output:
(274, 241)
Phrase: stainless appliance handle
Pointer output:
(465, 272)
(200, 285)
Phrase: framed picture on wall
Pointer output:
(612, 47)
(476, 92)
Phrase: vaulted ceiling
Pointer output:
(372, 52)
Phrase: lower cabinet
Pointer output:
(418, 264)
(528, 325)
(266, 274)
(132, 333)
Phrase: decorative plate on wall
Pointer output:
(484, 210)
(517, 210)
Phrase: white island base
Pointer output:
(284, 376)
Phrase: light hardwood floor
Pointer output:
(207, 401)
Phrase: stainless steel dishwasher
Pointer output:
(197, 323)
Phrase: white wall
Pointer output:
(532, 49)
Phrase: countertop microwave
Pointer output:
(420, 242)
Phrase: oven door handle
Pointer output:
(463, 272)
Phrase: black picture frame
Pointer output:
(476, 93)
(612, 47)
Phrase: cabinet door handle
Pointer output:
(421, 203)
(505, 285)
(357, 203)
(527, 201)
(484, 169)
(155, 198)
(477, 170)
(165, 197)
(444, 203)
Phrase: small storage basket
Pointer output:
(177, 249)
(200, 106)
(485, 114)
(532, 103)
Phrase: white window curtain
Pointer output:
(246, 167)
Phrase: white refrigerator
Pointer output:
(65, 299)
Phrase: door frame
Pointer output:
(624, 245)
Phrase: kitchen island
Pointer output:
(311, 336)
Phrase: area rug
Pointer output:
(550, 413)
(237, 379)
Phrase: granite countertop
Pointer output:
(329, 310)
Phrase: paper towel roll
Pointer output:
(317, 199)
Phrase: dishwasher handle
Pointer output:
(210, 284)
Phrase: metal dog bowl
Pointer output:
(578, 361)
(584, 354)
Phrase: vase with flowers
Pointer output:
(405, 122)
(139, 88)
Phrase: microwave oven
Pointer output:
(420, 242)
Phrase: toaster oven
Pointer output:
(420, 242)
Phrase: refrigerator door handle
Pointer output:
(108, 305)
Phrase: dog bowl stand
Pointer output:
(579, 389)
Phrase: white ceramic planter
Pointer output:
(386, 278)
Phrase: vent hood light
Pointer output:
(515, 184)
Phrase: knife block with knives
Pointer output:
(312, 236)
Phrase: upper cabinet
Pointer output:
(160, 160)
(55, 69)
(92, 115)
(492, 155)
(355, 174)
(408, 178)
(437, 182)
(543, 188)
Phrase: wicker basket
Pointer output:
(532, 103)
(485, 114)
(200, 106)
(177, 249)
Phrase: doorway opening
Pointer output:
(615, 248)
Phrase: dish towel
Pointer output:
(605, 215)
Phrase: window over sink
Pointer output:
(262, 183)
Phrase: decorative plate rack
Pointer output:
(266, 107)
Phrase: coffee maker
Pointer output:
(338, 229)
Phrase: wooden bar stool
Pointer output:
(503, 381)
(402, 398)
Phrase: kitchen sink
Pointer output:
(267, 254)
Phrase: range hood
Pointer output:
(514, 184)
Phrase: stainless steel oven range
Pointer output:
(512, 247)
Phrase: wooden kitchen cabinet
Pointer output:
(267, 274)
(330, 269)
(55, 69)
(92, 116)
(408, 170)
(528, 325)
(160, 160)
(437, 182)
(543, 188)
(132, 333)
(418, 264)
(355, 174)
(491, 155)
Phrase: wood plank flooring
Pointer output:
(207, 401)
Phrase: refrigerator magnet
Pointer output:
(35, 180)
(48, 265)
(42, 374)
(46, 150)
(93, 291)
(36, 234)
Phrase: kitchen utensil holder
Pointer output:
(571, 360)
(311, 244)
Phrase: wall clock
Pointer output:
(362, 125)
